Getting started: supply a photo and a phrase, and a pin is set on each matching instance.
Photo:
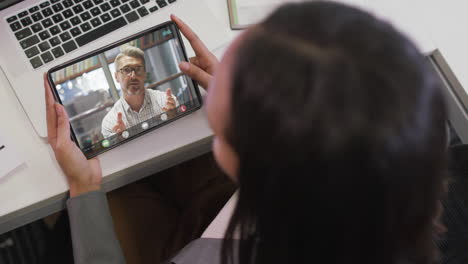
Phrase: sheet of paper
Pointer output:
(252, 12)
(9, 157)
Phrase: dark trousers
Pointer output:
(155, 217)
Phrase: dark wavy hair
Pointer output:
(340, 128)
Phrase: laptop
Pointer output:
(40, 34)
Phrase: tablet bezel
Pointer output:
(111, 46)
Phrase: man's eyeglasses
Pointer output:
(140, 70)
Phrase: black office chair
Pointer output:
(24, 245)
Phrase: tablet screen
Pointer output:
(124, 90)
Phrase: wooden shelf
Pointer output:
(111, 60)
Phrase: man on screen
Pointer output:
(138, 103)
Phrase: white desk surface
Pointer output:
(38, 187)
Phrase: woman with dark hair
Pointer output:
(333, 126)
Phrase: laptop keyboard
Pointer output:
(53, 28)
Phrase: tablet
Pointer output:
(126, 89)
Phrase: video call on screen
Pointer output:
(109, 101)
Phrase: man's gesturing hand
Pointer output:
(202, 66)
(83, 175)
(120, 126)
(170, 102)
